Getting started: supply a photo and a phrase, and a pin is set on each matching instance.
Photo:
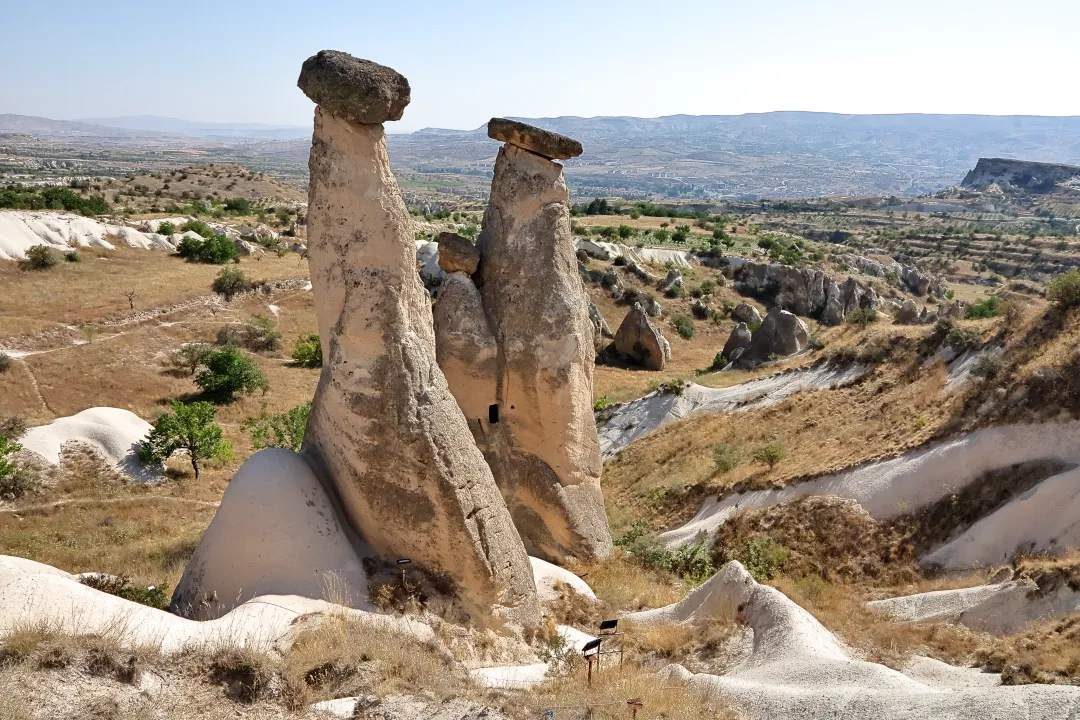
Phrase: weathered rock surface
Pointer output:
(739, 338)
(746, 313)
(805, 291)
(672, 279)
(384, 430)
(542, 443)
(908, 313)
(642, 341)
(601, 330)
(353, 89)
(781, 333)
(466, 351)
(542, 142)
(457, 253)
(909, 276)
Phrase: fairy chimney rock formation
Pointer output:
(541, 437)
(536, 140)
(642, 341)
(384, 430)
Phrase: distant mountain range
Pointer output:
(778, 154)
(150, 126)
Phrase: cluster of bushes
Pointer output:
(15, 197)
(693, 562)
(215, 249)
(258, 334)
(225, 371)
(308, 351)
(231, 282)
(684, 326)
(727, 457)
(16, 478)
(279, 430)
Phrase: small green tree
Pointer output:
(770, 454)
(39, 257)
(308, 351)
(166, 228)
(260, 334)
(279, 430)
(726, 456)
(684, 326)
(228, 372)
(862, 316)
(231, 282)
(189, 356)
(187, 427)
(1064, 290)
(16, 479)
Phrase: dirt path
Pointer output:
(105, 501)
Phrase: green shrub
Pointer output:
(961, 338)
(691, 562)
(770, 454)
(308, 351)
(72, 256)
(39, 257)
(1064, 290)
(708, 287)
(988, 308)
(5, 362)
(684, 326)
(764, 558)
(187, 427)
(217, 250)
(726, 457)
(16, 479)
(228, 372)
(279, 430)
(229, 336)
(189, 356)
(862, 316)
(231, 282)
(198, 227)
(674, 291)
(602, 403)
(240, 206)
(260, 335)
(155, 596)
(719, 363)
(988, 366)
(166, 228)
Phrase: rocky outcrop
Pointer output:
(908, 314)
(746, 313)
(909, 277)
(639, 339)
(803, 291)
(1023, 174)
(457, 253)
(385, 432)
(739, 338)
(536, 140)
(602, 334)
(466, 351)
(781, 333)
(673, 279)
(542, 443)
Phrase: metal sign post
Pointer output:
(403, 563)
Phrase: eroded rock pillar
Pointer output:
(385, 431)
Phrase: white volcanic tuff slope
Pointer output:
(798, 669)
(115, 434)
(629, 421)
(21, 230)
(36, 595)
(1002, 608)
(1045, 517)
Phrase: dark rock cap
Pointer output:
(457, 253)
(354, 89)
(534, 139)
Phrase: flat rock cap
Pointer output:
(354, 89)
(534, 139)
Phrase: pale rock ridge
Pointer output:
(385, 431)
(542, 444)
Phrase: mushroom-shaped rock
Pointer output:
(457, 253)
(542, 142)
(354, 89)
(908, 314)
(385, 431)
(542, 445)
(466, 351)
(739, 338)
(781, 333)
(639, 339)
(746, 313)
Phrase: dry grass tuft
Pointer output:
(606, 698)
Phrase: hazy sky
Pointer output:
(237, 61)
